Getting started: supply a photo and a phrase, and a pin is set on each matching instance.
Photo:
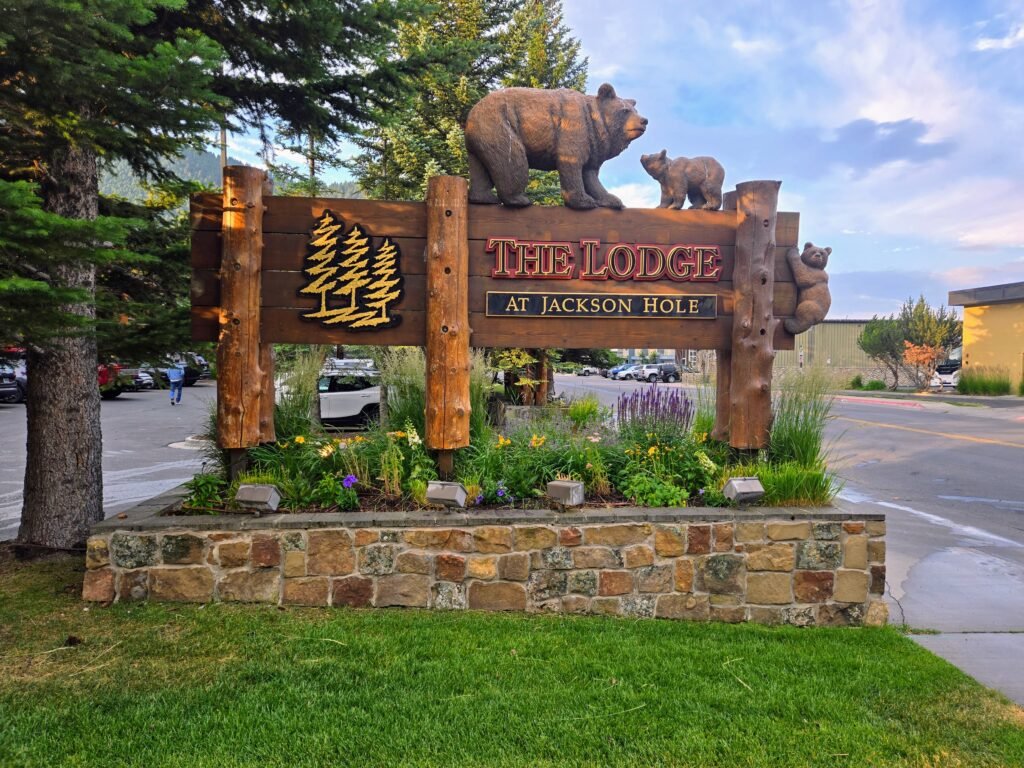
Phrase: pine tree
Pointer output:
(354, 274)
(384, 290)
(323, 258)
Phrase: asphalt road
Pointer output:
(145, 448)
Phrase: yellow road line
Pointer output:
(950, 435)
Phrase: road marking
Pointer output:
(950, 435)
(878, 401)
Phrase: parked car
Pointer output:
(946, 376)
(669, 372)
(113, 381)
(343, 365)
(587, 370)
(626, 372)
(350, 397)
(140, 379)
(653, 372)
(9, 390)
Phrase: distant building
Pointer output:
(993, 328)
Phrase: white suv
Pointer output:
(351, 397)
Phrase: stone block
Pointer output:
(403, 589)
(133, 585)
(414, 562)
(875, 527)
(259, 498)
(559, 558)
(877, 580)
(330, 553)
(769, 588)
(813, 586)
(583, 583)
(433, 538)
(514, 567)
(698, 539)
(616, 535)
(447, 494)
(728, 614)
(449, 567)
(377, 559)
(788, 531)
(294, 563)
(266, 551)
(493, 539)
(689, 607)
(575, 604)
(770, 557)
(305, 591)
(726, 599)
(833, 615)
(876, 551)
(97, 552)
(826, 531)
(669, 541)
(853, 526)
(352, 591)
(855, 552)
(749, 532)
(568, 493)
(364, 536)
(448, 596)
(595, 557)
(233, 554)
(770, 617)
(485, 568)
(131, 551)
(722, 574)
(395, 537)
(293, 540)
(684, 575)
(605, 606)
(570, 537)
(497, 596)
(850, 587)
(98, 585)
(723, 533)
(638, 606)
(191, 584)
(545, 585)
(181, 549)
(637, 556)
(534, 537)
(615, 583)
(250, 587)
(800, 615)
(877, 614)
(654, 579)
(818, 555)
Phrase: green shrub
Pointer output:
(206, 493)
(653, 412)
(857, 382)
(297, 407)
(875, 386)
(584, 411)
(789, 484)
(800, 412)
(704, 413)
(403, 384)
(979, 380)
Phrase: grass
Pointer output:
(978, 380)
(166, 685)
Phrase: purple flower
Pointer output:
(501, 492)
(349, 481)
(479, 499)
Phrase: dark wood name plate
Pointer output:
(555, 304)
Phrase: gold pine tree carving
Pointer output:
(323, 265)
(383, 291)
(354, 274)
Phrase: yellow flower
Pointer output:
(652, 450)
(503, 441)
(397, 434)
(358, 439)
(537, 442)
(326, 450)
(701, 437)
(300, 440)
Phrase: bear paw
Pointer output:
(580, 202)
(610, 201)
(517, 201)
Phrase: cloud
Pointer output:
(1012, 40)
(638, 195)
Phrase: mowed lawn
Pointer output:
(165, 685)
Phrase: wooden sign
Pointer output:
(448, 276)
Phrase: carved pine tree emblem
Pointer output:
(358, 285)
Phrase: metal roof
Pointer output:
(992, 294)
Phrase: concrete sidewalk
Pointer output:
(964, 583)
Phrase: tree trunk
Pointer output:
(63, 493)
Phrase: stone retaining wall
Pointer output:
(815, 569)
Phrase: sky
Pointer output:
(897, 128)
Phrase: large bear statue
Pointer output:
(515, 129)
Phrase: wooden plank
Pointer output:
(754, 327)
(285, 326)
(239, 362)
(787, 231)
(448, 405)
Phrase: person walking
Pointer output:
(176, 377)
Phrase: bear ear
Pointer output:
(631, 102)
(664, 153)
(606, 91)
(808, 245)
(828, 251)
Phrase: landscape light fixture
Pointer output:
(743, 490)
(447, 494)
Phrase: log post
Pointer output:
(240, 360)
(753, 328)
(267, 398)
(723, 365)
(448, 405)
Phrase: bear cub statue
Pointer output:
(813, 298)
(699, 177)
(512, 130)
